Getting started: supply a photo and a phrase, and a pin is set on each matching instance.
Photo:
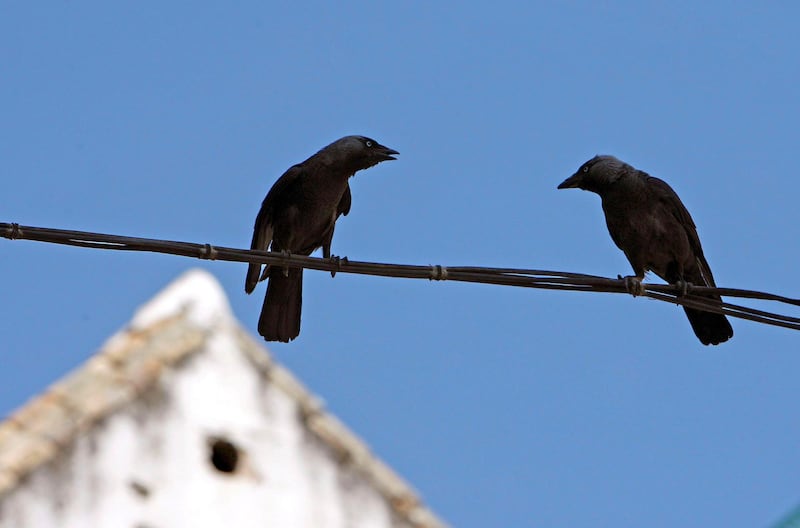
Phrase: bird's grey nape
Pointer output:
(609, 167)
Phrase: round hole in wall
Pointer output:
(224, 455)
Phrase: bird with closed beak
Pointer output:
(298, 216)
(650, 224)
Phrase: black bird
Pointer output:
(298, 216)
(650, 224)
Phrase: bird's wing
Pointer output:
(673, 203)
(345, 202)
(262, 230)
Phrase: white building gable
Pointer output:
(182, 420)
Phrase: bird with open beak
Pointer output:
(298, 216)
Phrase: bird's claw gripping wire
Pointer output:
(265, 274)
(633, 284)
(337, 261)
(286, 255)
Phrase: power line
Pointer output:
(526, 278)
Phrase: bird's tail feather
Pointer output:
(280, 315)
(710, 328)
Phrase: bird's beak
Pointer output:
(386, 153)
(571, 182)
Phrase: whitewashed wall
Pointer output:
(148, 464)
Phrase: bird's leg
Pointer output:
(337, 261)
(286, 254)
(326, 253)
(633, 283)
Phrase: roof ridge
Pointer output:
(128, 363)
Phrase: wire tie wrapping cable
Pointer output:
(208, 252)
(681, 288)
(438, 273)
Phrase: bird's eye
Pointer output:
(586, 168)
(368, 143)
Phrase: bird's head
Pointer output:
(357, 152)
(596, 175)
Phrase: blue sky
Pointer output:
(504, 407)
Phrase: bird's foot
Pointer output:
(286, 254)
(337, 261)
(633, 284)
(682, 287)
